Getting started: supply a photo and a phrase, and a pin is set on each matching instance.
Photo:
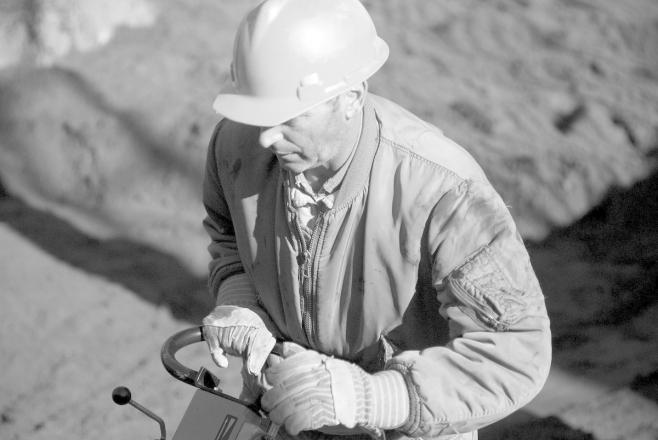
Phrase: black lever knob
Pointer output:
(121, 395)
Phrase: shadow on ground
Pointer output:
(623, 229)
(524, 426)
(153, 275)
(618, 241)
(618, 234)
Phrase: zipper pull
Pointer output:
(301, 262)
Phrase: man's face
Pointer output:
(312, 140)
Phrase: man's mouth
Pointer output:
(283, 155)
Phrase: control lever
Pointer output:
(121, 396)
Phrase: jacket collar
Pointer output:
(359, 169)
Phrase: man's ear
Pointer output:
(356, 97)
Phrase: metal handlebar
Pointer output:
(203, 378)
(168, 354)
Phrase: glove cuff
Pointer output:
(385, 400)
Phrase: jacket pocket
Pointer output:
(490, 295)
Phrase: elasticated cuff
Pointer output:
(413, 422)
(385, 400)
(237, 290)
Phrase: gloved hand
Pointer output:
(237, 331)
(253, 386)
(309, 391)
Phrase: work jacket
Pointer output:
(418, 267)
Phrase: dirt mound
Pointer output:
(557, 103)
(41, 31)
(556, 100)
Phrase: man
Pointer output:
(344, 224)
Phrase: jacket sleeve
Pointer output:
(499, 352)
(227, 281)
(225, 259)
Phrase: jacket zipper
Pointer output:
(476, 311)
(307, 267)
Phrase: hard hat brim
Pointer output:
(258, 111)
(270, 111)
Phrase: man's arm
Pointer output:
(238, 325)
(500, 349)
(223, 249)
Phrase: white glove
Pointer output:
(238, 331)
(310, 391)
(253, 386)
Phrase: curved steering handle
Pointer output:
(203, 378)
(168, 354)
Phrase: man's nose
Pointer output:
(270, 135)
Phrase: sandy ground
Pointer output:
(80, 316)
(102, 253)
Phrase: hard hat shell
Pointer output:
(291, 55)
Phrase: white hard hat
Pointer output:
(290, 55)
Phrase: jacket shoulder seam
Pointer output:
(423, 159)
